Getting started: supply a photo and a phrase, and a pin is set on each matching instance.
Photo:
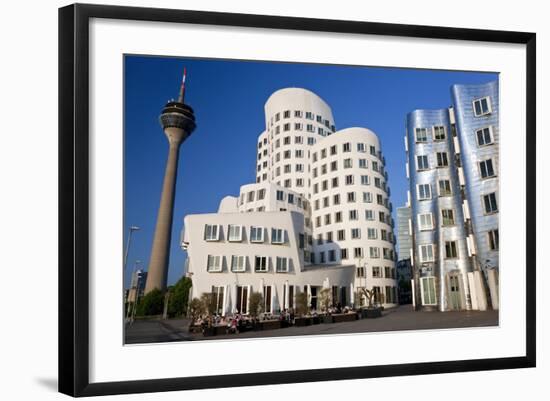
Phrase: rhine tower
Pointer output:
(178, 122)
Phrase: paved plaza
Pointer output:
(401, 318)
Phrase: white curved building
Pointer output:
(318, 216)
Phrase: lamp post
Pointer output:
(135, 287)
(131, 229)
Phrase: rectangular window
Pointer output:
(333, 150)
(281, 265)
(439, 133)
(426, 253)
(447, 217)
(347, 163)
(260, 263)
(425, 221)
(336, 199)
(362, 163)
(428, 290)
(309, 115)
(421, 135)
(214, 264)
(346, 147)
(343, 253)
(484, 136)
(493, 240)
(358, 252)
(361, 147)
(442, 159)
(376, 272)
(486, 168)
(365, 180)
(355, 233)
(482, 106)
(369, 215)
(372, 233)
(387, 272)
(422, 162)
(286, 114)
(341, 235)
(277, 236)
(280, 196)
(332, 255)
(424, 191)
(451, 250)
(353, 214)
(335, 182)
(235, 232)
(445, 188)
(238, 263)
(349, 179)
(360, 272)
(374, 252)
(490, 203)
(338, 217)
(211, 232)
(367, 197)
(351, 197)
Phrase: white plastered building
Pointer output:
(318, 216)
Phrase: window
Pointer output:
(287, 168)
(338, 217)
(360, 272)
(291, 199)
(212, 232)
(493, 240)
(336, 199)
(217, 293)
(442, 159)
(373, 150)
(428, 290)
(387, 272)
(421, 135)
(353, 214)
(374, 252)
(367, 197)
(361, 147)
(447, 217)
(372, 233)
(298, 113)
(341, 235)
(329, 236)
(439, 133)
(322, 257)
(351, 197)
(325, 202)
(424, 191)
(238, 263)
(355, 233)
(484, 136)
(362, 163)
(280, 196)
(377, 182)
(369, 215)
(451, 250)
(482, 106)
(347, 163)
(490, 203)
(281, 265)
(349, 179)
(422, 162)
(261, 194)
(376, 272)
(333, 150)
(365, 180)
(486, 168)
(333, 166)
(327, 219)
(346, 147)
(445, 188)
(213, 264)
(310, 128)
(332, 255)
(309, 115)
(235, 232)
(426, 253)
(343, 253)
(335, 182)
(358, 252)
(375, 166)
(256, 234)
(311, 141)
(286, 127)
(277, 236)
(260, 263)
(425, 221)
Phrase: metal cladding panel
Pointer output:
(439, 234)
(472, 154)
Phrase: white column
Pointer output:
(309, 295)
(413, 294)
(234, 298)
(286, 297)
(225, 298)
(351, 295)
(272, 300)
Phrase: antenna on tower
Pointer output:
(182, 87)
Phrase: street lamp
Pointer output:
(136, 289)
(131, 229)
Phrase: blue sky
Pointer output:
(228, 98)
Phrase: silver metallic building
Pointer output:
(452, 159)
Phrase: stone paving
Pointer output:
(401, 318)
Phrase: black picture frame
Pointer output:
(74, 198)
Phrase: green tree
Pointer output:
(179, 297)
(196, 309)
(301, 303)
(151, 304)
(325, 299)
(256, 304)
(209, 303)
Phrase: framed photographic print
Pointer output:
(250, 199)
